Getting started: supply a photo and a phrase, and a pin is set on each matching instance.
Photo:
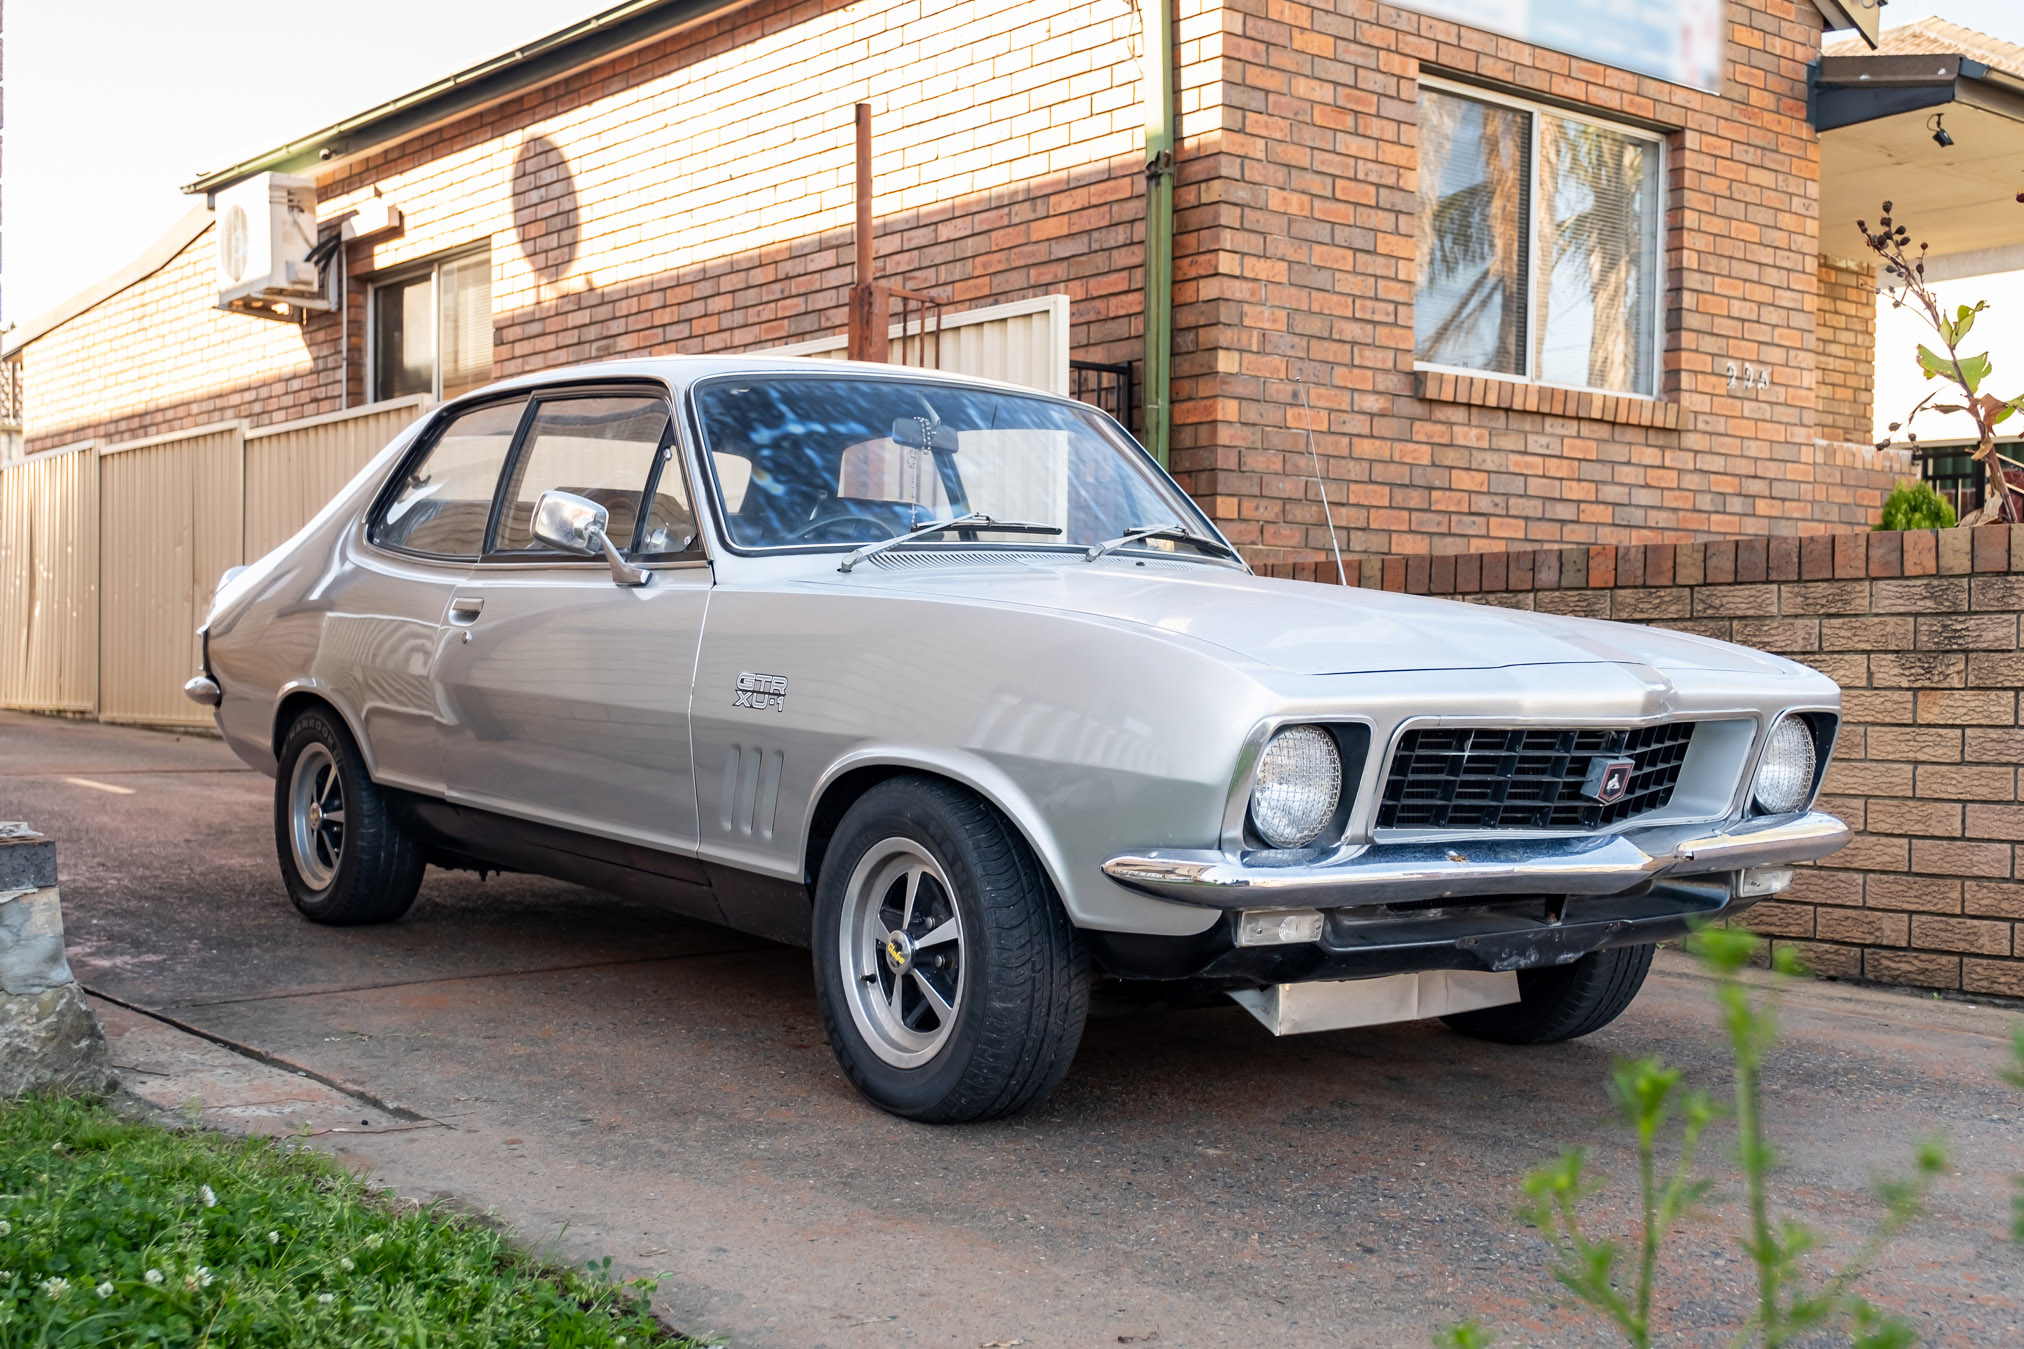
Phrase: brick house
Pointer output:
(1364, 196)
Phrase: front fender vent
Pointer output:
(1493, 777)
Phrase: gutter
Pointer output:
(607, 34)
(1159, 262)
(1849, 90)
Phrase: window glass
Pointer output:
(1598, 247)
(446, 498)
(464, 322)
(811, 461)
(603, 449)
(404, 356)
(432, 333)
(1475, 185)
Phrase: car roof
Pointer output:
(678, 372)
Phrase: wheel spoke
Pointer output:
(942, 1006)
(913, 889)
(893, 1001)
(944, 931)
(333, 817)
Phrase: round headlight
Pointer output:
(1785, 777)
(1299, 781)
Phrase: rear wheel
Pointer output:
(1562, 1002)
(345, 857)
(953, 986)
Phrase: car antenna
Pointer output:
(1314, 460)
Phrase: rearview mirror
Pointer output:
(573, 524)
(918, 433)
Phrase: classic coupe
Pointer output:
(949, 682)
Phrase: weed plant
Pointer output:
(1615, 1278)
(114, 1232)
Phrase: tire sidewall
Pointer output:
(314, 728)
(885, 813)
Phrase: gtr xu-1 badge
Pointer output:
(768, 693)
(1608, 779)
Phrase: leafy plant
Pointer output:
(1960, 374)
(114, 1232)
(1666, 1117)
(1915, 505)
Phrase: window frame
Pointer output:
(670, 452)
(696, 554)
(432, 268)
(1534, 277)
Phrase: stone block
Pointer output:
(1575, 603)
(1967, 707)
(1993, 899)
(1860, 927)
(1866, 634)
(1969, 936)
(1773, 919)
(51, 1042)
(1933, 819)
(1927, 744)
(1788, 636)
(1848, 776)
(1877, 706)
(1997, 822)
(1645, 604)
(1999, 592)
(1919, 969)
(1829, 962)
(1850, 669)
(1940, 595)
(1919, 669)
(1961, 857)
(1963, 632)
(1736, 601)
(1914, 894)
(2002, 978)
(1967, 782)
(1875, 852)
(1830, 597)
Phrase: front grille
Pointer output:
(1493, 777)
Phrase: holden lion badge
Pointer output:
(1608, 779)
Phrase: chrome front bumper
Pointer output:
(1396, 873)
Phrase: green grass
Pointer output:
(120, 1233)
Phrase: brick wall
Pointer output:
(1846, 343)
(1313, 280)
(1921, 630)
(694, 195)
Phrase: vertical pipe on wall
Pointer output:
(1159, 266)
(869, 304)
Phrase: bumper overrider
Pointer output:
(1500, 904)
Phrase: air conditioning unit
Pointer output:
(266, 227)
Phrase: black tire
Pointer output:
(368, 870)
(1561, 1002)
(1020, 993)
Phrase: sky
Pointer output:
(112, 105)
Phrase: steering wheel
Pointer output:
(831, 522)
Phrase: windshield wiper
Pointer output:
(1097, 550)
(974, 520)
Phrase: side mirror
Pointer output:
(573, 524)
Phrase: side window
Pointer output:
(607, 449)
(444, 502)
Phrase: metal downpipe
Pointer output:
(1159, 261)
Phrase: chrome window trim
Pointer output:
(1738, 796)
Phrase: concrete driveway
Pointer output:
(662, 1088)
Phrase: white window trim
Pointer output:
(1658, 321)
(401, 275)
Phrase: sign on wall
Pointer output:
(1676, 40)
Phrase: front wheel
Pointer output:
(345, 857)
(953, 986)
(1561, 1002)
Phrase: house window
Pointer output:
(432, 329)
(1538, 244)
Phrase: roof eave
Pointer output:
(1847, 90)
(607, 34)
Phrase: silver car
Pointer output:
(947, 681)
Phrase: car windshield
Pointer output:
(814, 461)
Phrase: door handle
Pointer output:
(466, 608)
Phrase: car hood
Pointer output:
(1310, 629)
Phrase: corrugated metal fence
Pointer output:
(109, 554)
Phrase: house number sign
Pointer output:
(1751, 376)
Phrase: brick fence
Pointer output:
(1921, 630)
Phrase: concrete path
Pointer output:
(662, 1088)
